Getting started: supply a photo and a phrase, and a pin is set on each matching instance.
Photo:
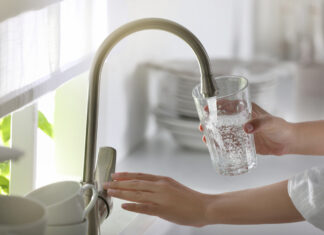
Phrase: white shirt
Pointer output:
(306, 191)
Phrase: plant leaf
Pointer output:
(45, 125)
(4, 184)
(5, 190)
(5, 134)
(4, 181)
(5, 169)
(5, 127)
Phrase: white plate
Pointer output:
(179, 129)
(185, 137)
(184, 131)
(176, 121)
(190, 142)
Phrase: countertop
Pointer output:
(163, 157)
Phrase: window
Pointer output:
(40, 49)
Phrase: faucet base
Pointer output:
(106, 164)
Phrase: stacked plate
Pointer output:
(175, 109)
(184, 130)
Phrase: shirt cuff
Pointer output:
(306, 191)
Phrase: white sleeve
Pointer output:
(306, 191)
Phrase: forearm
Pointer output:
(268, 204)
(308, 138)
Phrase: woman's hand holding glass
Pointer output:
(272, 135)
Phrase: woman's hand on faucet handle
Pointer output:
(159, 196)
(272, 135)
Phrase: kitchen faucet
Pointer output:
(97, 172)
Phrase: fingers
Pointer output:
(139, 185)
(248, 127)
(135, 176)
(133, 196)
(201, 128)
(149, 209)
(142, 191)
(257, 124)
(206, 109)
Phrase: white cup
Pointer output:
(64, 201)
(21, 216)
(70, 229)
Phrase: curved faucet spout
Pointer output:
(207, 86)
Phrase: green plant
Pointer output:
(44, 124)
(5, 133)
(5, 130)
(4, 177)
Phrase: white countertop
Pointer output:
(163, 157)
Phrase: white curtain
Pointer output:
(289, 29)
(45, 43)
(11, 8)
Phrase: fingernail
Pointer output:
(125, 206)
(201, 128)
(204, 139)
(249, 127)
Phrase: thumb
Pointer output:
(257, 124)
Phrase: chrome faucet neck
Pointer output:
(207, 87)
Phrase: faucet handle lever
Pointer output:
(106, 165)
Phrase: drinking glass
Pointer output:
(222, 117)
